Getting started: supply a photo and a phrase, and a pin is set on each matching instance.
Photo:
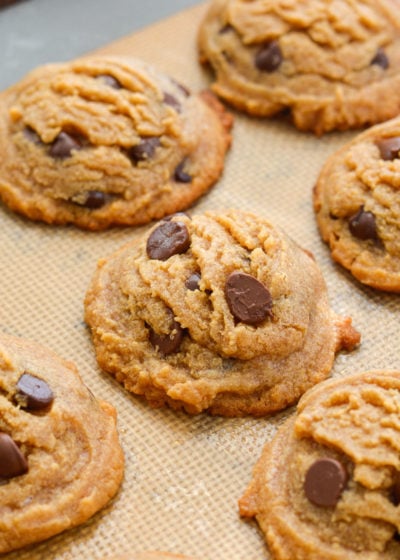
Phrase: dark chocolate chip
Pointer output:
(109, 80)
(33, 393)
(381, 59)
(248, 300)
(172, 101)
(395, 493)
(389, 148)
(180, 175)
(269, 57)
(92, 200)
(363, 225)
(225, 29)
(325, 481)
(32, 135)
(169, 238)
(192, 283)
(145, 149)
(12, 461)
(167, 343)
(63, 145)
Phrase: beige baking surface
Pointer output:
(183, 474)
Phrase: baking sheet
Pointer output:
(184, 474)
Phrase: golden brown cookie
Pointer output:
(56, 468)
(328, 484)
(222, 312)
(332, 64)
(357, 203)
(107, 141)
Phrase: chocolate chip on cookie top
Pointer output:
(12, 461)
(324, 482)
(113, 126)
(248, 299)
(169, 238)
(33, 393)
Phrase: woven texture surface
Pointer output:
(184, 474)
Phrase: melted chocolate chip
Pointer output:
(192, 283)
(363, 225)
(109, 80)
(144, 150)
(269, 57)
(172, 101)
(33, 393)
(92, 200)
(381, 59)
(167, 343)
(180, 175)
(12, 461)
(389, 148)
(63, 145)
(248, 300)
(169, 238)
(325, 481)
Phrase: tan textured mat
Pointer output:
(184, 474)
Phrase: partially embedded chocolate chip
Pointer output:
(363, 225)
(395, 494)
(12, 461)
(225, 29)
(145, 149)
(389, 148)
(381, 59)
(169, 238)
(32, 135)
(167, 343)
(109, 80)
(325, 481)
(248, 299)
(192, 283)
(63, 145)
(180, 175)
(269, 57)
(33, 393)
(172, 101)
(90, 199)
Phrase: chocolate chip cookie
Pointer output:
(327, 485)
(98, 142)
(331, 64)
(222, 312)
(357, 204)
(56, 468)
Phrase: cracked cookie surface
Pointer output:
(333, 64)
(51, 458)
(327, 485)
(100, 141)
(357, 205)
(222, 312)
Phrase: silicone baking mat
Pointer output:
(184, 474)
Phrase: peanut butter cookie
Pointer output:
(327, 485)
(334, 64)
(357, 203)
(107, 141)
(56, 468)
(222, 312)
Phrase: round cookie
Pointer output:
(327, 485)
(100, 141)
(357, 204)
(221, 312)
(332, 64)
(56, 468)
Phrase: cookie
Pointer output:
(331, 64)
(327, 485)
(56, 468)
(357, 205)
(98, 142)
(222, 312)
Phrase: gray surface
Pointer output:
(34, 32)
